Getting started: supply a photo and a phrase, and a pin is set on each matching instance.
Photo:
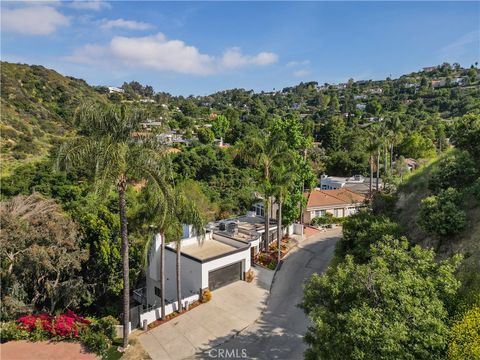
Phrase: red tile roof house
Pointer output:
(339, 202)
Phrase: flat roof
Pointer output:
(210, 248)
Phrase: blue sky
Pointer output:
(202, 47)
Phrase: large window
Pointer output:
(318, 213)
(337, 212)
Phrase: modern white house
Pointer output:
(356, 183)
(221, 257)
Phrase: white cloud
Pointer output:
(233, 58)
(33, 20)
(152, 52)
(298, 63)
(301, 73)
(125, 24)
(159, 53)
(95, 5)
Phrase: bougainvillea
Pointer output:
(65, 325)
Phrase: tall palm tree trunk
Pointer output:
(162, 276)
(122, 186)
(279, 230)
(371, 175)
(385, 159)
(179, 280)
(391, 158)
(267, 223)
(378, 170)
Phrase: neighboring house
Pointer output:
(357, 183)
(412, 164)
(113, 89)
(438, 83)
(361, 106)
(430, 68)
(338, 202)
(223, 256)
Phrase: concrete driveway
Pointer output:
(278, 333)
(231, 310)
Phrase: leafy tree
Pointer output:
(441, 214)
(466, 134)
(220, 126)
(456, 170)
(389, 308)
(361, 231)
(205, 136)
(465, 337)
(374, 107)
(418, 147)
(106, 148)
(41, 257)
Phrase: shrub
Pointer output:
(96, 342)
(327, 219)
(441, 214)
(457, 170)
(108, 326)
(250, 276)
(465, 336)
(206, 295)
(43, 326)
(10, 331)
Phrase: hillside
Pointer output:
(424, 183)
(37, 107)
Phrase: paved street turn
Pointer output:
(278, 333)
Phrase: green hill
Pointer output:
(37, 108)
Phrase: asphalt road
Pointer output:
(278, 333)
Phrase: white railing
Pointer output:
(155, 313)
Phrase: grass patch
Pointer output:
(113, 353)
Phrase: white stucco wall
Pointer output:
(191, 276)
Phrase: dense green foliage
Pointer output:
(465, 343)
(361, 231)
(37, 106)
(442, 214)
(389, 308)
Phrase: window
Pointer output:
(318, 213)
(337, 212)
(157, 291)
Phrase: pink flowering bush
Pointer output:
(66, 325)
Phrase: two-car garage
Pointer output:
(225, 275)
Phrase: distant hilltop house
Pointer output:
(375, 91)
(360, 97)
(430, 68)
(113, 89)
(361, 106)
(438, 83)
(337, 202)
(358, 183)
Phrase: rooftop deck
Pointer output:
(210, 248)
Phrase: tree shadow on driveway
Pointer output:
(278, 332)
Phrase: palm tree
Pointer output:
(106, 146)
(283, 182)
(183, 211)
(263, 151)
(157, 210)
